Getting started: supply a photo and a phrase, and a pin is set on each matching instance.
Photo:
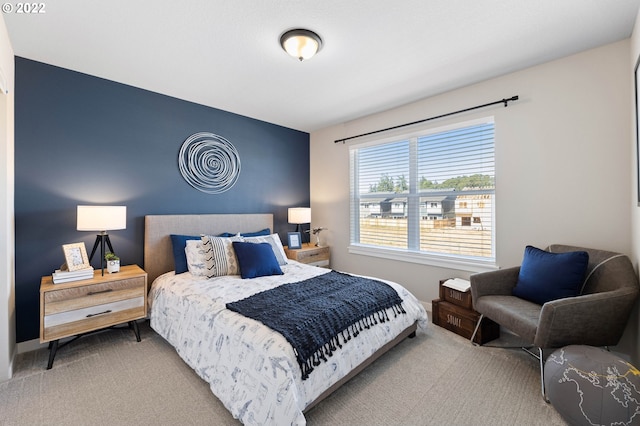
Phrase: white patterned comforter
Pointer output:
(251, 368)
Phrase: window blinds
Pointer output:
(429, 193)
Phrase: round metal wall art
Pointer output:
(209, 163)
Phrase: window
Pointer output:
(426, 196)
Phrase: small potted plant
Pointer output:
(113, 262)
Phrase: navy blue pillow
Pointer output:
(546, 276)
(179, 242)
(256, 259)
(265, 231)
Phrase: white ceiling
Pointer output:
(377, 54)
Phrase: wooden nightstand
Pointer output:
(80, 307)
(310, 254)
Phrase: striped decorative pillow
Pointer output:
(220, 258)
(274, 242)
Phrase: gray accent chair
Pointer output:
(597, 317)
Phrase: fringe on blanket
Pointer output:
(347, 334)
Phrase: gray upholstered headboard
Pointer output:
(158, 255)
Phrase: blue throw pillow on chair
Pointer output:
(546, 276)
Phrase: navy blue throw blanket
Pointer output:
(320, 314)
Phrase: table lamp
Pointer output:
(102, 219)
(299, 216)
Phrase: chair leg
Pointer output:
(475, 331)
(541, 356)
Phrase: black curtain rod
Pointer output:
(504, 101)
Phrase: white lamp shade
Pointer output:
(102, 218)
(299, 215)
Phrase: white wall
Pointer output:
(563, 173)
(633, 155)
(7, 252)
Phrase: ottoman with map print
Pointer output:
(591, 386)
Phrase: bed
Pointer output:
(252, 369)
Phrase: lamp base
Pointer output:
(302, 232)
(101, 239)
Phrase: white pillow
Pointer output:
(276, 245)
(219, 256)
(195, 258)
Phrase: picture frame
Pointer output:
(636, 82)
(75, 256)
(294, 240)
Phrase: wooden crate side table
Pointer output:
(77, 308)
(454, 311)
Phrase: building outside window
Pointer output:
(426, 194)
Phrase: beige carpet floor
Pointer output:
(437, 378)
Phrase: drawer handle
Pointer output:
(99, 313)
(314, 254)
(91, 293)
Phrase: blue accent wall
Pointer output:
(80, 139)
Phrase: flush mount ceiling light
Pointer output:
(301, 44)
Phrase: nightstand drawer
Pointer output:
(92, 295)
(310, 255)
(94, 290)
(321, 263)
(102, 318)
(106, 310)
(313, 256)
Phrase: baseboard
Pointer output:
(30, 345)
(8, 374)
